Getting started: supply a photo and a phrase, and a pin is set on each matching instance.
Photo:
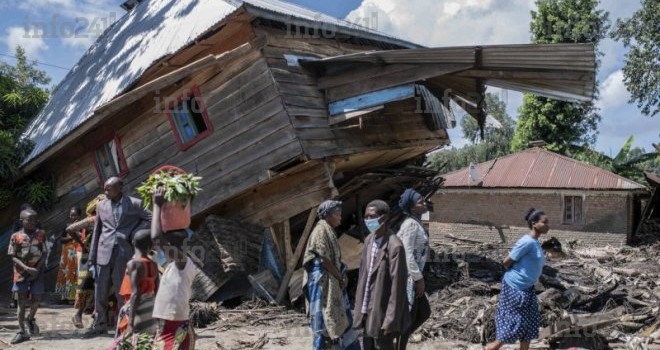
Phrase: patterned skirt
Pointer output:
(349, 340)
(84, 287)
(517, 315)
(175, 335)
(144, 322)
(66, 275)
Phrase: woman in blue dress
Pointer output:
(517, 317)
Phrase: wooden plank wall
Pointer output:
(395, 127)
(252, 133)
(289, 194)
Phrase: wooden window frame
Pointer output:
(563, 209)
(193, 91)
(123, 167)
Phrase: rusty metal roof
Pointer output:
(539, 168)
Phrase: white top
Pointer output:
(416, 243)
(174, 292)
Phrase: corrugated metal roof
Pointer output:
(539, 168)
(147, 33)
(562, 71)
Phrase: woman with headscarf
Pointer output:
(517, 317)
(81, 232)
(416, 244)
(66, 274)
(324, 284)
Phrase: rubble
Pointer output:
(590, 297)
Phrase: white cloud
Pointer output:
(471, 22)
(16, 36)
(613, 93)
(453, 22)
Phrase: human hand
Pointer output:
(32, 271)
(159, 196)
(129, 328)
(420, 288)
(92, 270)
(343, 283)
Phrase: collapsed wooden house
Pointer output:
(277, 107)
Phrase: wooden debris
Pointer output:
(585, 297)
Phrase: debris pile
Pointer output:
(251, 313)
(594, 298)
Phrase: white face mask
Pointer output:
(373, 224)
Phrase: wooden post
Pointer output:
(288, 252)
(291, 264)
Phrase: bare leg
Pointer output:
(34, 306)
(524, 345)
(20, 311)
(79, 312)
(495, 345)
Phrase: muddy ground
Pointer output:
(57, 333)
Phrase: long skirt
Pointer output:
(174, 335)
(84, 287)
(66, 275)
(349, 340)
(517, 315)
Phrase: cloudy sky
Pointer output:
(427, 22)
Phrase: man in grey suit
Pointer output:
(117, 218)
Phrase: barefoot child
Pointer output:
(139, 289)
(28, 250)
(172, 301)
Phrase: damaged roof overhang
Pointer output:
(559, 71)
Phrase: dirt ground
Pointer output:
(57, 333)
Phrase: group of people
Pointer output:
(114, 243)
(390, 301)
(113, 247)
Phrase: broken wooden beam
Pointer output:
(291, 264)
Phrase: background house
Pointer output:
(488, 201)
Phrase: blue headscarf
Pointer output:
(408, 200)
(326, 208)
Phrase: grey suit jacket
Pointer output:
(108, 233)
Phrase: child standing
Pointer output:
(139, 289)
(172, 301)
(28, 250)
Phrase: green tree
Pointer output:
(496, 142)
(641, 71)
(22, 95)
(629, 162)
(561, 123)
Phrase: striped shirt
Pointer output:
(374, 252)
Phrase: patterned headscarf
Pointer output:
(90, 209)
(408, 199)
(326, 208)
